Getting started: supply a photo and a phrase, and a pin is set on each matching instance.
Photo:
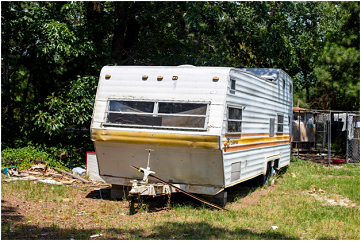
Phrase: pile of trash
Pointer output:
(51, 175)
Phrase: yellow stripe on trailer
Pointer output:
(136, 137)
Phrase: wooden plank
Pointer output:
(72, 175)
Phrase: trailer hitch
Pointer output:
(180, 190)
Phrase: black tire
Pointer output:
(263, 179)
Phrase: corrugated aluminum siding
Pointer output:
(260, 100)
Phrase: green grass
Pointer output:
(38, 191)
(286, 205)
(344, 181)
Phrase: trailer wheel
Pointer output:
(270, 176)
(264, 179)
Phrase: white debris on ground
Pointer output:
(45, 174)
(321, 196)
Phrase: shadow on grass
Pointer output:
(9, 214)
(167, 230)
(154, 204)
(15, 229)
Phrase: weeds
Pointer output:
(287, 205)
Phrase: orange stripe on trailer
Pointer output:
(249, 140)
(255, 145)
(253, 134)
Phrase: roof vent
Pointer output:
(267, 77)
(186, 66)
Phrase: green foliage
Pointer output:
(26, 157)
(65, 118)
(51, 52)
(338, 69)
(71, 107)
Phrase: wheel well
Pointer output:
(276, 164)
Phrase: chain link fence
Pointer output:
(353, 138)
(326, 136)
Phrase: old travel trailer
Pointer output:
(202, 129)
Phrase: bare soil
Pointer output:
(27, 219)
(90, 211)
(319, 158)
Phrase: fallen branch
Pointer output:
(56, 175)
(32, 173)
(72, 175)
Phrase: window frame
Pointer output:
(283, 83)
(234, 120)
(232, 90)
(280, 124)
(156, 113)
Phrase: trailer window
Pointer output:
(279, 123)
(131, 106)
(234, 119)
(282, 83)
(157, 114)
(182, 108)
(233, 84)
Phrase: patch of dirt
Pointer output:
(320, 158)
(77, 217)
(248, 193)
(331, 176)
(327, 201)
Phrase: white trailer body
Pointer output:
(210, 127)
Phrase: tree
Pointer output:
(45, 45)
(50, 48)
(255, 35)
(338, 66)
(307, 25)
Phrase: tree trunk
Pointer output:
(126, 33)
(6, 86)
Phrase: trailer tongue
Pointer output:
(136, 188)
